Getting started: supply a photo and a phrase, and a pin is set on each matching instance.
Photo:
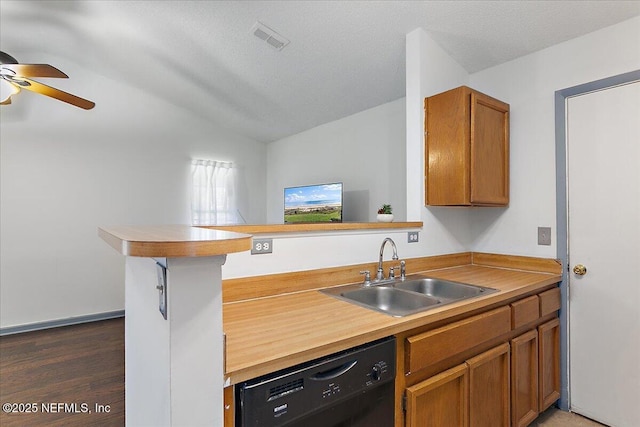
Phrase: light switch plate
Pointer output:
(544, 236)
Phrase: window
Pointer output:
(213, 193)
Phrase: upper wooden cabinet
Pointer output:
(467, 149)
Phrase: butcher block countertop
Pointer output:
(267, 334)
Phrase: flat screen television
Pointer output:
(313, 203)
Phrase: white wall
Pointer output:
(365, 151)
(66, 171)
(429, 70)
(528, 84)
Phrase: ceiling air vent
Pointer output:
(272, 38)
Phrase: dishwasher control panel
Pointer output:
(284, 396)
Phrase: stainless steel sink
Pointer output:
(389, 300)
(445, 290)
(415, 294)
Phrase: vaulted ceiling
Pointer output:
(343, 56)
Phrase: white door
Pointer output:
(603, 150)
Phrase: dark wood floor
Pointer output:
(81, 366)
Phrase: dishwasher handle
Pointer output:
(333, 373)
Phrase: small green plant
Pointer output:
(385, 209)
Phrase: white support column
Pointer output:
(174, 367)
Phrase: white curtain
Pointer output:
(213, 198)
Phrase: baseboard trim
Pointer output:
(11, 330)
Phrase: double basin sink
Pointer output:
(415, 294)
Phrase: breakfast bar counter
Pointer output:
(174, 342)
(188, 330)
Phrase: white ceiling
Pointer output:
(344, 56)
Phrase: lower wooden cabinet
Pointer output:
(489, 386)
(549, 363)
(229, 407)
(509, 384)
(475, 393)
(535, 371)
(440, 400)
(524, 379)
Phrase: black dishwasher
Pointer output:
(351, 388)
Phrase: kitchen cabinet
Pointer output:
(535, 372)
(229, 407)
(497, 368)
(489, 388)
(467, 149)
(474, 393)
(549, 363)
(524, 378)
(440, 345)
(440, 400)
(449, 398)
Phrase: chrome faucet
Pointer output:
(380, 273)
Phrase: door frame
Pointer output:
(562, 211)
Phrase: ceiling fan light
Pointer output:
(7, 89)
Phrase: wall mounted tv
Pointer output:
(313, 203)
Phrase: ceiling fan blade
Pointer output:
(5, 58)
(57, 94)
(35, 70)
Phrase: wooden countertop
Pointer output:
(272, 333)
(173, 241)
(317, 227)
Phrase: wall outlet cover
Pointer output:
(261, 246)
(413, 236)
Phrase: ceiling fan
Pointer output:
(15, 76)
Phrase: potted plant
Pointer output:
(385, 213)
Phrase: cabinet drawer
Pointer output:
(524, 311)
(439, 344)
(549, 301)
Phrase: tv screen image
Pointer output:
(313, 203)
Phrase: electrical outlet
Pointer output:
(413, 236)
(544, 236)
(262, 246)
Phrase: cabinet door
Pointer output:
(440, 401)
(524, 378)
(549, 363)
(489, 388)
(467, 149)
(447, 127)
(489, 151)
(229, 407)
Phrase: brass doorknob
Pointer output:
(580, 270)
